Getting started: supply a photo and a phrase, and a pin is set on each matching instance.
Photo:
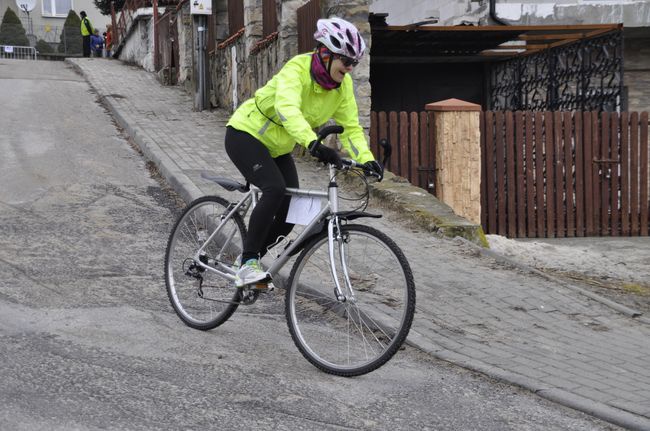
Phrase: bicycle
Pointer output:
(350, 295)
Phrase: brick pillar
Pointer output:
(458, 156)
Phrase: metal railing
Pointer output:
(18, 52)
(126, 18)
(127, 14)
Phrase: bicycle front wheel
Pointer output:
(359, 334)
(201, 298)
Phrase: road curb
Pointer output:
(609, 414)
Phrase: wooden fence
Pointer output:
(564, 174)
(167, 46)
(235, 16)
(308, 15)
(269, 18)
(412, 136)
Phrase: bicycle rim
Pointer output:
(359, 335)
(203, 299)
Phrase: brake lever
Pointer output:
(388, 150)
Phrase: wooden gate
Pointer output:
(167, 40)
(411, 135)
(564, 174)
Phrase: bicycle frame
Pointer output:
(333, 233)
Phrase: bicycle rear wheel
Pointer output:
(201, 298)
(359, 335)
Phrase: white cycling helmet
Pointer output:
(340, 37)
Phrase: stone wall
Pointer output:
(245, 61)
(632, 13)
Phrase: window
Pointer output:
(59, 8)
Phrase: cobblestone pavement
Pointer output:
(472, 309)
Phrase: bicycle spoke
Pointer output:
(361, 333)
(216, 301)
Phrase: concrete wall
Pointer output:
(138, 48)
(632, 13)
(449, 12)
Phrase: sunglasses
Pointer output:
(347, 61)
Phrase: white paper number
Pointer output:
(303, 209)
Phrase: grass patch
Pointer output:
(636, 289)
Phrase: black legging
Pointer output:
(272, 176)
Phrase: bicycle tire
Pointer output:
(207, 302)
(324, 329)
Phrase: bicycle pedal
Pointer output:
(264, 287)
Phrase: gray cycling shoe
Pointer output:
(251, 272)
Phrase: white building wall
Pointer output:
(138, 48)
(449, 12)
(632, 13)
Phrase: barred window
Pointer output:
(57, 8)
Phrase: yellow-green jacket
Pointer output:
(287, 109)
(86, 27)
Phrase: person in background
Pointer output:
(108, 40)
(86, 31)
(96, 44)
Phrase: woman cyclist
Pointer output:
(309, 90)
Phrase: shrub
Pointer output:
(43, 47)
(12, 31)
(71, 42)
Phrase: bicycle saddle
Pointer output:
(226, 183)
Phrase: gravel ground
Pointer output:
(617, 268)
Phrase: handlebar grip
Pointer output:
(326, 131)
(353, 164)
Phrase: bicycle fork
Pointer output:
(335, 240)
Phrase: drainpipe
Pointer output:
(493, 13)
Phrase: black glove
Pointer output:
(374, 166)
(324, 154)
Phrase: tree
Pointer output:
(71, 40)
(104, 6)
(12, 31)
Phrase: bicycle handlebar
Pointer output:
(328, 130)
(336, 129)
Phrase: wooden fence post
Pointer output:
(458, 156)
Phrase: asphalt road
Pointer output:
(89, 341)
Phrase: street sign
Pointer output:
(201, 7)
